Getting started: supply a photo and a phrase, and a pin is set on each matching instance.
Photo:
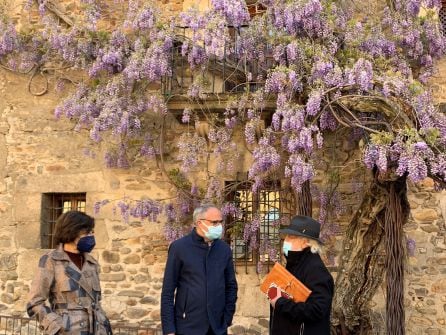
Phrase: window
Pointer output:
(257, 222)
(255, 8)
(442, 15)
(53, 205)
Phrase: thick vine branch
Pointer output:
(56, 10)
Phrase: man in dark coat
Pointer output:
(199, 288)
(301, 247)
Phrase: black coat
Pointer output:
(313, 316)
(201, 278)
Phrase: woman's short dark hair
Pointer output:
(70, 224)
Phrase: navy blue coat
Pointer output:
(313, 316)
(206, 289)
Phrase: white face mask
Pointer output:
(286, 247)
(214, 232)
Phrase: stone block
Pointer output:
(155, 315)
(264, 322)
(140, 278)
(427, 311)
(27, 206)
(81, 181)
(112, 276)
(427, 215)
(439, 286)
(5, 241)
(136, 313)
(441, 260)
(131, 302)
(101, 233)
(149, 259)
(149, 301)
(8, 275)
(28, 235)
(125, 251)
(251, 297)
(7, 298)
(137, 294)
(28, 261)
(132, 259)
(430, 228)
(110, 257)
(420, 321)
(8, 262)
(237, 329)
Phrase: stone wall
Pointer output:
(39, 155)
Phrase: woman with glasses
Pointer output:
(65, 293)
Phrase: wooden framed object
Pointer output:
(281, 277)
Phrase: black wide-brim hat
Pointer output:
(303, 226)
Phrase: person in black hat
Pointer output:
(301, 249)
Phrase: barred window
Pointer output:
(53, 205)
(442, 15)
(253, 233)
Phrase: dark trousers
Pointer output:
(209, 332)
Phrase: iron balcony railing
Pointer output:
(14, 325)
(222, 76)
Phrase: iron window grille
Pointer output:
(442, 16)
(53, 205)
(272, 206)
(222, 76)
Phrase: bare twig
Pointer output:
(55, 9)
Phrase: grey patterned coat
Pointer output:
(73, 296)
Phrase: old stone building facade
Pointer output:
(42, 159)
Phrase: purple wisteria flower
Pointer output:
(231, 209)
(187, 112)
(361, 74)
(314, 103)
(235, 11)
(99, 204)
(411, 246)
(266, 158)
(299, 171)
(191, 147)
(9, 39)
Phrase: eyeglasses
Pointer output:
(213, 222)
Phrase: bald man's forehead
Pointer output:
(213, 212)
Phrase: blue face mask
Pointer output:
(86, 243)
(286, 247)
(214, 232)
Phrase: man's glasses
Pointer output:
(214, 222)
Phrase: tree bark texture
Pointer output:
(363, 260)
(396, 216)
(304, 200)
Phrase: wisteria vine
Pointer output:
(319, 63)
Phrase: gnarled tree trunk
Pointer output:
(363, 261)
(397, 213)
(304, 200)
